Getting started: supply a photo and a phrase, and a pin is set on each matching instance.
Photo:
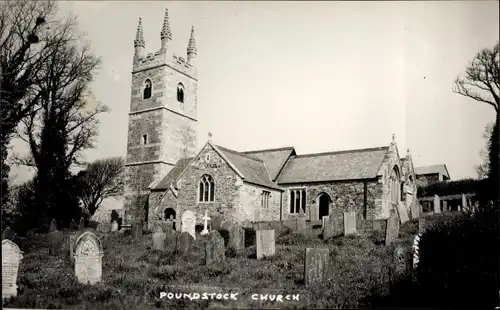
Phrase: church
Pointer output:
(166, 174)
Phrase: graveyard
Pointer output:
(342, 271)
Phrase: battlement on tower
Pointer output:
(160, 58)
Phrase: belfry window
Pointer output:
(180, 93)
(206, 189)
(146, 93)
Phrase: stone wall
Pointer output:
(250, 204)
(345, 196)
(158, 203)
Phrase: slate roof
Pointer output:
(253, 169)
(173, 174)
(334, 166)
(273, 158)
(432, 169)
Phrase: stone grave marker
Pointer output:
(464, 203)
(114, 226)
(334, 226)
(184, 243)
(136, 230)
(227, 225)
(349, 223)
(214, 248)
(171, 238)
(403, 215)
(392, 229)
(88, 258)
(416, 251)
(159, 237)
(316, 265)
(400, 261)
(301, 223)
(81, 225)
(188, 222)
(265, 243)
(56, 241)
(236, 237)
(53, 225)
(414, 210)
(445, 206)
(205, 226)
(11, 258)
(437, 204)
(324, 220)
(217, 222)
(421, 226)
(7, 233)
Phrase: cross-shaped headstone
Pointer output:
(205, 227)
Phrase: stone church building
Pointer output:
(165, 176)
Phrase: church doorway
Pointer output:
(324, 205)
(170, 215)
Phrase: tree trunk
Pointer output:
(498, 155)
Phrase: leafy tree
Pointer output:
(483, 169)
(102, 179)
(481, 82)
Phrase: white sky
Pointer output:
(320, 76)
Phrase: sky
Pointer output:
(319, 76)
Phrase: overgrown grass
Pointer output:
(134, 274)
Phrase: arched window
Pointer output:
(206, 189)
(146, 92)
(395, 185)
(180, 92)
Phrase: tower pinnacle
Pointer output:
(139, 37)
(191, 49)
(166, 33)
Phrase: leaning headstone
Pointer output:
(217, 222)
(316, 265)
(53, 225)
(136, 230)
(81, 225)
(114, 226)
(349, 223)
(171, 238)
(56, 240)
(214, 248)
(7, 233)
(403, 215)
(265, 243)
(324, 219)
(159, 239)
(392, 230)
(414, 210)
(437, 204)
(301, 223)
(188, 222)
(236, 237)
(421, 226)
(184, 243)
(11, 258)
(88, 258)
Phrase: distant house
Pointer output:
(431, 174)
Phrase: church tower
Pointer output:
(163, 116)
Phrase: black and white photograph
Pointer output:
(250, 154)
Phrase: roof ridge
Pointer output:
(380, 148)
(239, 153)
(271, 150)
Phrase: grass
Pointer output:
(134, 274)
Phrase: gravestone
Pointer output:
(301, 223)
(159, 239)
(236, 237)
(171, 238)
(214, 249)
(56, 240)
(88, 258)
(185, 242)
(324, 219)
(334, 225)
(414, 210)
(7, 233)
(349, 223)
(136, 230)
(265, 243)
(188, 222)
(403, 215)
(53, 225)
(205, 226)
(445, 206)
(400, 262)
(11, 258)
(73, 225)
(392, 230)
(464, 202)
(437, 204)
(459, 208)
(217, 222)
(316, 265)
(114, 226)
(70, 245)
(421, 226)
(416, 251)
(81, 225)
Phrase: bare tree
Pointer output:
(102, 179)
(481, 82)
